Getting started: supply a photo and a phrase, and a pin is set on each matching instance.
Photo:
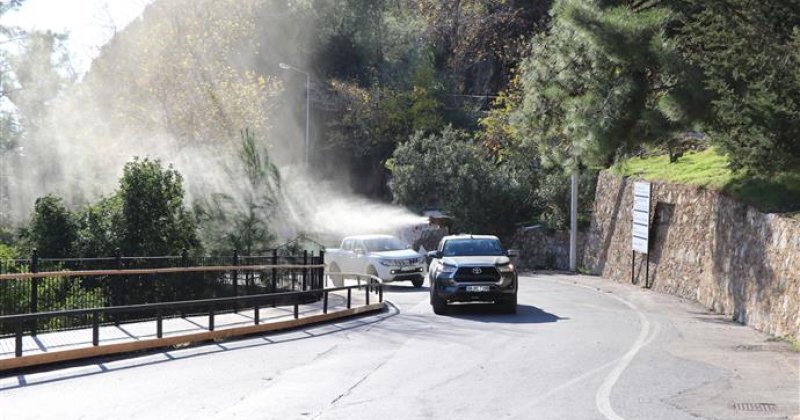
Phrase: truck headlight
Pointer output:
(447, 268)
(506, 268)
(387, 263)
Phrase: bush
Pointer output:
(154, 220)
(450, 172)
(53, 229)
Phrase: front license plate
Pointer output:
(477, 288)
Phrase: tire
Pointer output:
(509, 306)
(372, 271)
(336, 279)
(418, 283)
(439, 305)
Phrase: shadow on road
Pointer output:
(526, 314)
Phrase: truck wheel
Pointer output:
(439, 305)
(417, 283)
(372, 272)
(509, 306)
(336, 279)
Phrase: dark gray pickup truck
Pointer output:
(472, 268)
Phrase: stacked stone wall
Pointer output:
(704, 246)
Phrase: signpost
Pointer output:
(640, 230)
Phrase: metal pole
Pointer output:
(235, 278)
(34, 303)
(573, 223)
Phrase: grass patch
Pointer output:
(794, 343)
(779, 193)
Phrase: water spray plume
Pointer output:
(180, 85)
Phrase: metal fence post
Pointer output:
(305, 268)
(121, 283)
(235, 276)
(321, 270)
(211, 317)
(18, 339)
(274, 274)
(34, 303)
(159, 324)
(95, 328)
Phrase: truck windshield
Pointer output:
(472, 247)
(384, 244)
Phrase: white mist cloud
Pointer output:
(90, 24)
(81, 148)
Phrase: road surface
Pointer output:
(579, 348)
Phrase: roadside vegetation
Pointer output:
(776, 193)
(478, 108)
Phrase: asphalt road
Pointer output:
(579, 348)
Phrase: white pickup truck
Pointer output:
(382, 256)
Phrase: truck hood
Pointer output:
(473, 261)
(400, 253)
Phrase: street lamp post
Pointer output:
(308, 102)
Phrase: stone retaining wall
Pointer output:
(704, 246)
(541, 248)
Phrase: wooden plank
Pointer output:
(108, 349)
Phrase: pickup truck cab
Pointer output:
(383, 256)
(472, 268)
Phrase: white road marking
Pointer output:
(573, 381)
(603, 396)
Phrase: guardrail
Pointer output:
(30, 290)
(371, 284)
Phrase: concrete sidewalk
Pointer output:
(191, 326)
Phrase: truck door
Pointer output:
(346, 260)
(359, 261)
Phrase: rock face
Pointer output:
(704, 246)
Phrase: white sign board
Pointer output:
(640, 231)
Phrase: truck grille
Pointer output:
(477, 274)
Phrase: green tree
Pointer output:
(241, 219)
(154, 220)
(53, 229)
(603, 81)
(100, 228)
(749, 51)
(193, 74)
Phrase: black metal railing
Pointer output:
(51, 285)
(210, 307)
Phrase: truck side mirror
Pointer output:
(359, 251)
(435, 254)
(512, 253)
